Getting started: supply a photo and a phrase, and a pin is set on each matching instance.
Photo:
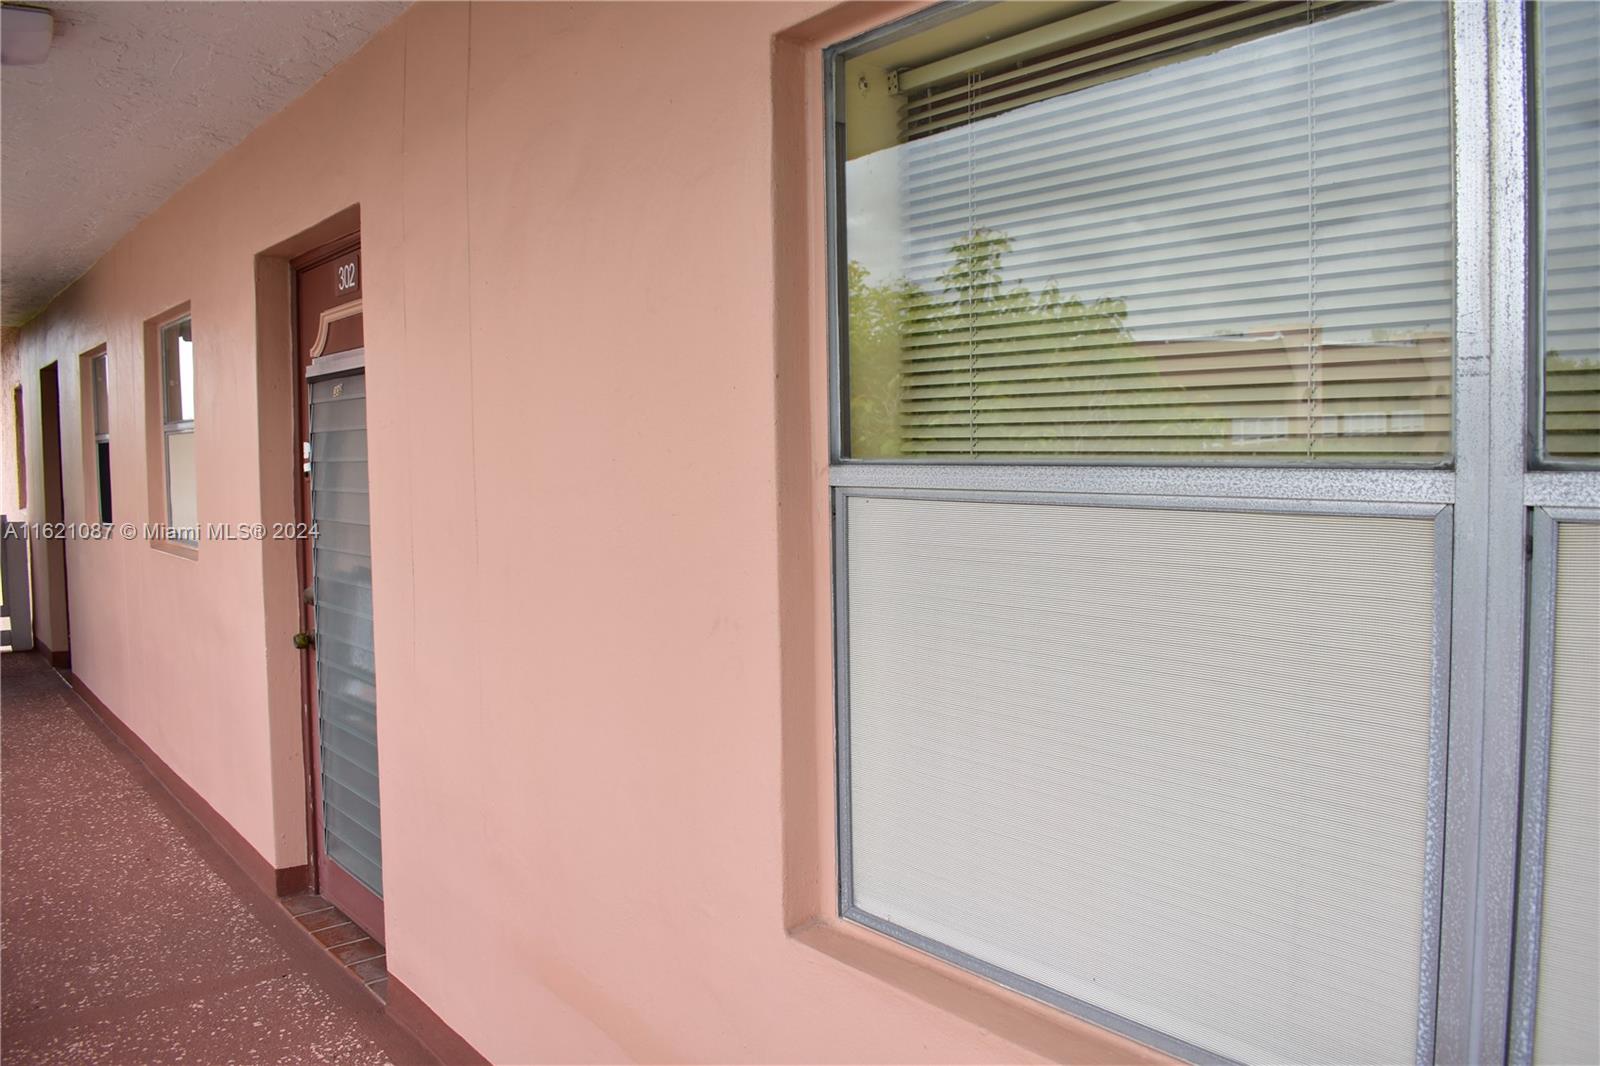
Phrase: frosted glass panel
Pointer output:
(1173, 764)
(1567, 1022)
(346, 677)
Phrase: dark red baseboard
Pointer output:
(274, 882)
(61, 660)
(292, 879)
(404, 1007)
(431, 1031)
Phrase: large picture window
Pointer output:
(1184, 450)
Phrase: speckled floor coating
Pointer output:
(126, 935)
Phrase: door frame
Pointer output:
(53, 592)
(334, 884)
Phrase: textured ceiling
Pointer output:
(134, 100)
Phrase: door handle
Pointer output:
(305, 640)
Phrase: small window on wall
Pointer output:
(177, 429)
(22, 445)
(1566, 105)
(1155, 233)
(97, 402)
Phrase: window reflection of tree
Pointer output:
(970, 365)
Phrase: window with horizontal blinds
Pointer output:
(1174, 765)
(1223, 231)
(1567, 1021)
(1567, 119)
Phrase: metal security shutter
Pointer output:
(1174, 765)
(1226, 234)
(1569, 138)
(346, 669)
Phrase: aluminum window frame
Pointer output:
(1482, 492)
(1545, 539)
(99, 361)
(1438, 736)
(838, 328)
(1538, 365)
(171, 427)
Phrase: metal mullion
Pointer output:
(1564, 488)
(1491, 529)
(1377, 485)
(1219, 503)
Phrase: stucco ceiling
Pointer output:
(134, 100)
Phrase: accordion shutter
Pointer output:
(1569, 138)
(1174, 764)
(1228, 234)
(1567, 1022)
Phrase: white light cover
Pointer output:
(25, 34)
(1174, 764)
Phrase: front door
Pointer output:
(336, 568)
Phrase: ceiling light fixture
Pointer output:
(24, 34)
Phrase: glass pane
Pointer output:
(1567, 106)
(102, 402)
(1221, 233)
(1567, 1026)
(342, 571)
(1173, 764)
(103, 467)
(177, 371)
(182, 511)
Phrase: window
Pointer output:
(22, 443)
(177, 428)
(1566, 95)
(1563, 935)
(97, 402)
(1119, 234)
(1171, 352)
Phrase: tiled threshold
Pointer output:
(347, 942)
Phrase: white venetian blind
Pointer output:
(1172, 764)
(1225, 233)
(1567, 1021)
(1568, 98)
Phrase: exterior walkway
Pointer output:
(127, 935)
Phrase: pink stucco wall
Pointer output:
(571, 282)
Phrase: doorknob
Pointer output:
(305, 640)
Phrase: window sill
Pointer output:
(177, 548)
(1040, 1028)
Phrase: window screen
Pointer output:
(1171, 764)
(1566, 94)
(1211, 231)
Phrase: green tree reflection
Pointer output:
(982, 358)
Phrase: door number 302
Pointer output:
(347, 276)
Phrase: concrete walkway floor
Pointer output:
(126, 935)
